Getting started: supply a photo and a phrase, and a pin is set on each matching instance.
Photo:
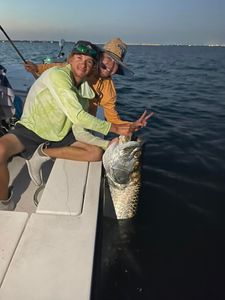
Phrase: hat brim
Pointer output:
(123, 69)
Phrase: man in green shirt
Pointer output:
(56, 101)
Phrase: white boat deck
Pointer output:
(47, 252)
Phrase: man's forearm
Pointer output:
(121, 129)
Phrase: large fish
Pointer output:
(122, 167)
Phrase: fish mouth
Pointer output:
(132, 152)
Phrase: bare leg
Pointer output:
(77, 151)
(9, 146)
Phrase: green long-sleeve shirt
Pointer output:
(54, 104)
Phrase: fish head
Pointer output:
(120, 159)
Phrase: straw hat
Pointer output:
(117, 49)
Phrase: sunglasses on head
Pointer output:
(85, 49)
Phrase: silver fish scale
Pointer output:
(126, 200)
(122, 161)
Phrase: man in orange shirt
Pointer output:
(111, 63)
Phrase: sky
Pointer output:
(196, 22)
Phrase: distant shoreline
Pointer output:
(129, 44)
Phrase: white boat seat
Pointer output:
(54, 258)
(65, 188)
(11, 227)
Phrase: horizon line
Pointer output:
(128, 43)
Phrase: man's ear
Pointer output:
(69, 58)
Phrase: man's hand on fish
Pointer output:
(115, 140)
(142, 121)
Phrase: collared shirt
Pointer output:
(54, 104)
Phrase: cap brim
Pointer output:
(87, 54)
(122, 67)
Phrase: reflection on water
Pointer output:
(121, 261)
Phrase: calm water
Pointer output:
(175, 247)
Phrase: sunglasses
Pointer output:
(85, 49)
(102, 65)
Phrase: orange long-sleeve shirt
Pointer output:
(105, 91)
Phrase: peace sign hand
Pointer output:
(142, 121)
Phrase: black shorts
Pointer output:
(31, 140)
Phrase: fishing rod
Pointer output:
(18, 52)
(61, 45)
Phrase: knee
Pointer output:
(96, 153)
